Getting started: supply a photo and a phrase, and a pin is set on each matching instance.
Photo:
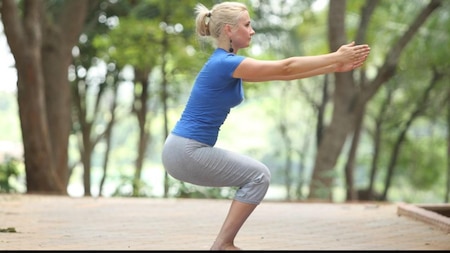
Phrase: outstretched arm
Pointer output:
(315, 72)
(346, 58)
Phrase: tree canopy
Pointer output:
(101, 83)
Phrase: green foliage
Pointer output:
(139, 189)
(424, 170)
(274, 22)
(186, 190)
(8, 170)
(417, 165)
(430, 47)
(144, 34)
(9, 113)
(132, 42)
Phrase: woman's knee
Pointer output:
(265, 175)
(254, 191)
(262, 179)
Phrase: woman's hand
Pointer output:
(354, 54)
(344, 67)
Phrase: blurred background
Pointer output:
(90, 89)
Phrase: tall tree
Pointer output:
(418, 110)
(41, 35)
(350, 95)
(447, 187)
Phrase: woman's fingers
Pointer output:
(362, 51)
(360, 61)
(354, 52)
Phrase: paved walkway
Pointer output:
(67, 223)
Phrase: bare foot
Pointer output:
(224, 247)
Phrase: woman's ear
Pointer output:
(227, 28)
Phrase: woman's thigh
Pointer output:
(200, 164)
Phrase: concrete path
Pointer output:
(67, 223)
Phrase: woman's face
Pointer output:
(243, 32)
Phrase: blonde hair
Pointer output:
(211, 22)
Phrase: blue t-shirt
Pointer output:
(214, 93)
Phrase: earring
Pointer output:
(231, 47)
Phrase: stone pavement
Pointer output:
(66, 223)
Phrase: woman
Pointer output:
(189, 153)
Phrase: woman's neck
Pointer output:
(227, 50)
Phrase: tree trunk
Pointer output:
(85, 145)
(140, 108)
(420, 107)
(377, 137)
(108, 139)
(42, 51)
(447, 189)
(341, 123)
(346, 100)
(351, 193)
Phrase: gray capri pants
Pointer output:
(200, 164)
